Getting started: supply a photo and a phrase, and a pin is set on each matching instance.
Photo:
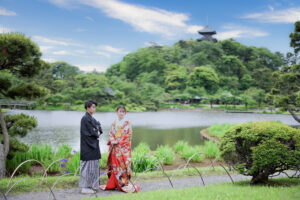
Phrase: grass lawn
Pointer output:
(281, 189)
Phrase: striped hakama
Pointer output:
(89, 174)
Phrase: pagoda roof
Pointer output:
(207, 29)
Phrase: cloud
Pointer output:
(107, 55)
(235, 31)
(151, 44)
(65, 3)
(45, 48)
(50, 60)
(141, 18)
(89, 18)
(80, 30)
(289, 15)
(194, 29)
(62, 52)
(5, 12)
(91, 67)
(50, 41)
(271, 8)
(112, 49)
(80, 51)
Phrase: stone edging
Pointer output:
(205, 134)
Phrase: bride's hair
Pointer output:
(121, 107)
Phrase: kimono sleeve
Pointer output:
(88, 128)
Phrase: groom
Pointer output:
(90, 129)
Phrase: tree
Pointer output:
(18, 125)
(176, 78)
(263, 78)
(204, 77)
(144, 60)
(62, 70)
(286, 90)
(261, 148)
(232, 66)
(256, 94)
(295, 38)
(19, 60)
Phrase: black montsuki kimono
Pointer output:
(89, 138)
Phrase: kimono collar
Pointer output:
(89, 115)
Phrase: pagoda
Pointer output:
(207, 33)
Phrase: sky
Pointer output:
(94, 34)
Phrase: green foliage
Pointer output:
(6, 81)
(195, 153)
(176, 78)
(180, 145)
(204, 77)
(19, 124)
(260, 149)
(144, 60)
(142, 160)
(149, 76)
(27, 90)
(19, 54)
(295, 37)
(165, 154)
(44, 154)
(103, 160)
(232, 66)
(211, 149)
(218, 130)
(73, 163)
(286, 90)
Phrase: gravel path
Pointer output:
(74, 193)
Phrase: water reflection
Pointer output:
(154, 128)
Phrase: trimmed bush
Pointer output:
(259, 149)
(165, 154)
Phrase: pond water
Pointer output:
(153, 128)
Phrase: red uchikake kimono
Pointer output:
(119, 158)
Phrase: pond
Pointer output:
(153, 128)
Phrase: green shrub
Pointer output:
(142, 148)
(196, 151)
(73, 163)
(218, 130)
(103, 160)
(260, 149)
(211, 149)
(18, 158)
(165, 154)
(178, 147)
(142, 159)
(42, 153)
